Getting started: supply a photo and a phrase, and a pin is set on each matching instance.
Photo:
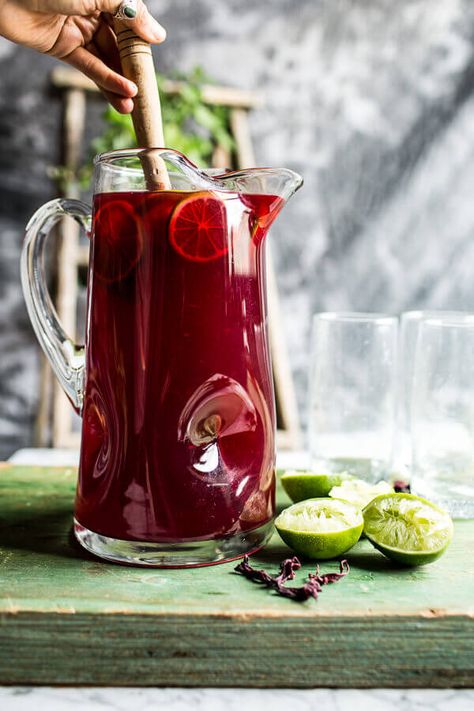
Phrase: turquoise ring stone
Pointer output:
(127, 10)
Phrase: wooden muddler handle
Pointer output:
(137, 65)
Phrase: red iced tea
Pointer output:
(178, 419)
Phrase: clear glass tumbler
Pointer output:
(442, 413)
(353, 393)
(409, 329)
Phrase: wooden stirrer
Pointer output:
(137, 65)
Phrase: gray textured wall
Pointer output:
(371, 100)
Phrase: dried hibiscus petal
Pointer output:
(311, 588)
(260, 576)
(401, 487)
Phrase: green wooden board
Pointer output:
(67, 618)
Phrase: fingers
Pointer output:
(105, 43)
(118, 90)
(120, 103)
(144, 24)
(105, 48)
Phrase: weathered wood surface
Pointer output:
(66, 618)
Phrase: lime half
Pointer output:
(301, 485)
(359, 492)
(407, 528)
(320, 528)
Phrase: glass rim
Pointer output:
(355, 317)
(423, 314)
(109, 158)
(120, 153)
(455, 320)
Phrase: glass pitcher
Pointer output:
(174, 384)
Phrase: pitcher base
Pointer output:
(189, 554)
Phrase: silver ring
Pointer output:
(127, 10)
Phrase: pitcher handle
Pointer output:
(66, 358)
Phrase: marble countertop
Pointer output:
(105, 699)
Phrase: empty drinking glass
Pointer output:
(353, 393)
(442, 412)
(409, 329)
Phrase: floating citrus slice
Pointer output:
(118, 240)
(198, 228)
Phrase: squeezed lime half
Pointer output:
(359, 492)
(320, 528)
(301, 485)
(407, 528)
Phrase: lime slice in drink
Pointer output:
(301, 485)
(118, 244)
(320, 528)
(407, 528)
(359, 492)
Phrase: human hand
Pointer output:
(80, 32)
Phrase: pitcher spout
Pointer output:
(265, 191)
(280, 182)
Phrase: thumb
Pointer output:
(135, 16)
